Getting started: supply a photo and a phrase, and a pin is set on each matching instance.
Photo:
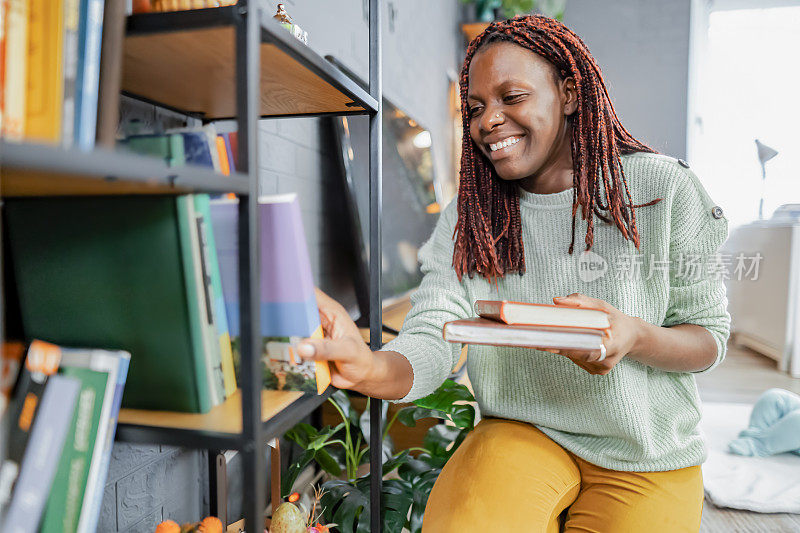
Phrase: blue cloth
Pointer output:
(774, 426)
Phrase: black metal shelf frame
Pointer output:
(252, 26)
(116, 166)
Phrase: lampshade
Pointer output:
(765, 153)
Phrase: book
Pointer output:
(198, 258)
(203, 208)
(288, 301)
(71, 18)
(233, 140)
(88, 74)
(16, 69)
(41, 362)
(92, 508)
(3, 15)
(223, 155)
(43, 112)
(116, 274)
(226, 137)
(42, 455)
(169, 147)
(110, 73)
(76, 476)
(10, 365)
(542, 314)
(490, 332)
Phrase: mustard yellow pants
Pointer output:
(508, 476)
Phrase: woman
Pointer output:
(613, 444)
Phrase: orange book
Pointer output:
(45, 71)
(224, 166)
(530, 314)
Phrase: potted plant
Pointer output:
(408, 479)
(489, 10)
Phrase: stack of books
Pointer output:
(60, 426)
(530, 325)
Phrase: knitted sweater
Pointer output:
(636, 417)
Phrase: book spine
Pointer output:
(45, 71)
(3, 15)
(89, 77)
(71, 18)
(91, 515)
(185, 231)
(203, 205)
(110, 73)
(41, 362)
(42, 455)
(223, 156)
(16, 70)
(490, 309)
(229, 151)
(108, 363)
(213, 356)
(69, 485)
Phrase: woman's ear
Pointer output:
(569, 94)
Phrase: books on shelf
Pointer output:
(503, 323)
(49, 73)
(64, 463)
(288, 302)
(125, 273)
(148, 6)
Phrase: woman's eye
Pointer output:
(511, 98)
(473, 111)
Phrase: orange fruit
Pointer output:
(211, 524)
(168, 526)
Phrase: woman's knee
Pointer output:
(504, 474)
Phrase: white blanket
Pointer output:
(762, 484)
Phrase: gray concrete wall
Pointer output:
(642, 47)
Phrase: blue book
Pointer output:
(42, 455)
(196, 149)
(90, 28)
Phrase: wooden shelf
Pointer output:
(224, 418)
(187, 61)
(473, 29)
(221, 427)
(28, 169)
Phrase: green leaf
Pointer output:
(395, 462)
(302, 434)
(408, 416)
(463, 416)
(327, 463)
(445, 396)
(294, 471)
(343, 503)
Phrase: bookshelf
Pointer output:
(236, 63)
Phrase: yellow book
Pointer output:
(16, 60)
(45, 70)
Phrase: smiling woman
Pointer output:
(607, 444)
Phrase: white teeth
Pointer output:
(503, 144)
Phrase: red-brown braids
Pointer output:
(489, 228)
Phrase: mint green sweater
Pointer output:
(636, 417)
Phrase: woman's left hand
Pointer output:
(619, 341)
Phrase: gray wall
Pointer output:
(422, 43)
(642, 47)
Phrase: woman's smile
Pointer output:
(505, 147)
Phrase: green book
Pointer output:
(114, 274)
(167, 147)
(66, 494)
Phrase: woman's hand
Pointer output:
(620, 340)
(343, 345)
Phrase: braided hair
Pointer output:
(489, 229)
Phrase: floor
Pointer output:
(742, 377)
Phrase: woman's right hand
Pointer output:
(343, 345)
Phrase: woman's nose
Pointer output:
(491, 119)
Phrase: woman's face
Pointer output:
(517, 107)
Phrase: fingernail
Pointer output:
(305, 349)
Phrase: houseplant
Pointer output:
(489, 10)
(408, 479)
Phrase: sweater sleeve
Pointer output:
(697, 292)
(440, 298)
